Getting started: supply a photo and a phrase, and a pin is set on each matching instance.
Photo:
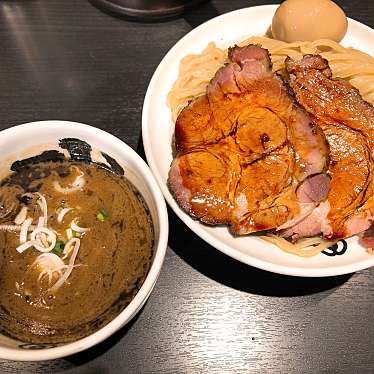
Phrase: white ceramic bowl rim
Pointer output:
(138, 301)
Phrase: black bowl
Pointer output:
(146, 9)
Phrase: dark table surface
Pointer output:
(65, 59)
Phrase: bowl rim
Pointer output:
(142, 295)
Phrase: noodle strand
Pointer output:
(196, 71)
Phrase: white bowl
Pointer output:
(29, 140)
(158, 130)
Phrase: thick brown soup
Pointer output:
(42, 299)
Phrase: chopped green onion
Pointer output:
(59, 247)
(102, 215)
(104, 212)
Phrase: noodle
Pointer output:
(196, 71)
(304, 248)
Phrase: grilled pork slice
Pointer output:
(348, 124)
(248, 155)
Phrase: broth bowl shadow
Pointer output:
(98, 350)
(70, 362)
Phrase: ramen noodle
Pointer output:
(196, 70)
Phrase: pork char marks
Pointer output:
(348, 124)
(248, 155)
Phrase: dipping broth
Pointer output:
(65, 294)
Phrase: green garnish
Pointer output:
(59, 247)
(102, 215)
(104, 212)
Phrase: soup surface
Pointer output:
(111, 223)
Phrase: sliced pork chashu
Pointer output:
(348, 124)
(248, 155)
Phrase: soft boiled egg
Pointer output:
(301, 20)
